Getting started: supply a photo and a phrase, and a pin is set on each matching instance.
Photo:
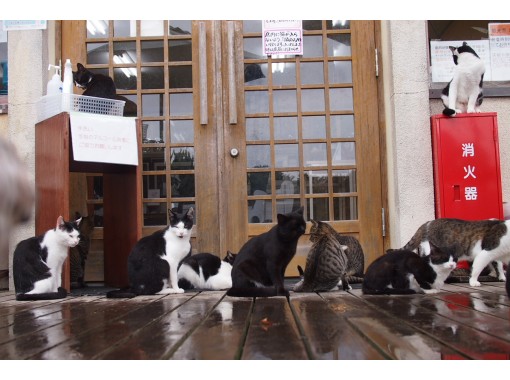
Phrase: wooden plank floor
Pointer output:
(460, 322)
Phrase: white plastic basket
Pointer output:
(51, 105)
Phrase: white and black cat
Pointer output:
(403, 271)
(97, 85)
(37, 262)
(154, 260)
(464, 92)
(481, 242)
(260, 265)
(206, 271)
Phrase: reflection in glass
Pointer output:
(285, 128)
(257, 129)
(344, 181)
(287, 182)
(180, 77)
(340, 72)
(256, 102)
(152, 51)
(284, 101)
(179, 50)
(286, 155)
(312, 73)
(153, 105)
(98, 53)
(253, 48)
(284, 206)
(312, 46)
(315, 154)
(314, 127)
(338, 24)
(339, 45)
(97, 28)
(155, 213)
(153, 158)
(342, 126)
(179, 27)
(252, 26)
(318, 209)
(125, 52)
(181, 104)
(153, 131)
(340, 99)
(255, 74)
(312, 100)
(181, 131)
(284, 73)
(260, 211)
(343, 153)
(124, 28)
(345, 208)
(131, 106)
(258, 156)
(316, 182)
(153, 78)
(259, 183)
(154, 186)
(123, 79)
(312, 24)
(183, 185)
(182, 159)
(151, 28)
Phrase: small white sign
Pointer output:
(282, 37)
(441, 59)
(499, 37)
(101, 138)
(24, 24)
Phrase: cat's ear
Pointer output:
(190, 213)
(300, 210)
(452, 48)
(300, 270)
(314, 222)
(60, 221)
(80, 67)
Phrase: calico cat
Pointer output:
(480, 241)
(154, 260)
(403, 271)
(98, 85)
(260, 265)
(37, 262)
(206, 271)
(464, 92)
(327, 261)
(78, 255)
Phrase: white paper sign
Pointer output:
(282, 37)
(442, 63)
(499, 37)
(101, 138)
(24, 24)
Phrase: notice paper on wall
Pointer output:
(101, 138)
(499, 37)
(282, 37)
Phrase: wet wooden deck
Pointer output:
(458, 323)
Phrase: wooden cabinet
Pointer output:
(122, 196)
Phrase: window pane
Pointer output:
(312, 46)
(152, 51)
(312, 73)
(154, 186)
(344, 181)
(340, 99)
(124, 79)
(312, 100)
(260, 211)
(179, 27)
(259, 183)
(284, 101)
(284, 73)
(153, 78)
(183, 185)
(257, 129)
(318, 208)
(98, 53)
(153, 105)
(339, 45)
(312, 24)
(343, 153)
(314, 127)
(154, 159)
(342, 126)
(258, 156)
(180, 77)
(153, 131)
(286, 155)
(155, 213)
(181, 104)
(287, 182)
(345, 208)
(316, 182)
(97, 28)
(256, 102)
(338, 24)
(255, 74)
(315, 154)
(151, 28)
(340, 72)
(285, 128)
(253, 48)
(124, 28)
(181, 131)
(182, 159)
(252, 26)
(179, 50)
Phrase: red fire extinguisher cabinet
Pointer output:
(467, 176)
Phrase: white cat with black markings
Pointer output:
(206, 271)
(154, 260)
(464, 92)
(37, 262)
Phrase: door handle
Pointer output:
(232, 99)
(202, 64)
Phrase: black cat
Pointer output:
(97, 85)
(260, 265)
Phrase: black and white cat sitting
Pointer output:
(464, 92)
(98, 85)
(154, 260)
(206, 271)
(37, 262)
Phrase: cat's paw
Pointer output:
(474, 282)
(171, 291)
(502, 277)
(430, 291)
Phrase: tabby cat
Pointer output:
(464, 92)
(480, 241)
(78, 255)
(37, 262)
(260, 265)
(154, 260)
(403, 271)
(327, 261)
(206, 271)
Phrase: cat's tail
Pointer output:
(60, 293)
(121, 293)
(449, 112)
(255, 292)
(387, 291)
